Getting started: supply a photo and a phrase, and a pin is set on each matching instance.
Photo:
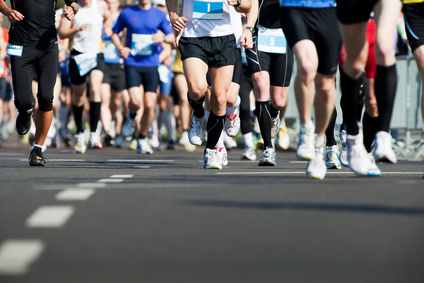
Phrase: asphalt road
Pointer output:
(116, 216)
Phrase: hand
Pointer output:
(124, 52)
(232, 2)
(246, 39)
(178, 24)
(68, 12)
(14, 16)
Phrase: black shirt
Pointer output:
(269, 13)
(38, 26)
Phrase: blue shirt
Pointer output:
(142, 23)
(307, 3)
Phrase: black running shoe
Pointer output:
(23, 123)
(36, 157)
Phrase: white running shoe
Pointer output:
(195, 132)
(232, 124)
(94, 141)
(332, 157)
(343, 150)
(383, 150)
(316, 168)
(357, 155)
(186, 143)
(306, 148)
(229, 142)
(275, 125)
(374, 170)
(249, 154)
(143, 147)
(79, 143)
(283, 139)
(211, 160)
(221, 154)
(268, 157)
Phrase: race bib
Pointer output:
(14, 50)
(86, 62)
(208, 10)
(142, 44)
(271, 40)
(110, 50)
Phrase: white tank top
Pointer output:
(207, 18)
(88, 40)
(237, 26)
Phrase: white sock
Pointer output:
(220, 142)
(248, 140)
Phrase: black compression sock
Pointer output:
(385, 92)
(264, 118)
(197, 106)
(214, 128)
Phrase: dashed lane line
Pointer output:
(113, 180)
(17, 255)
(54, 216)
(77, 194)
(304, 172)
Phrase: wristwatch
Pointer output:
(238, 3)
(250, 29)
(74, 9)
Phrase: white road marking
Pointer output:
(142, 167)
(50, 216)
(298, 161)
(122, 176)
(142, 160)
(110, 180)
(91, 185)
(75, 194)
(16, 256)
(304, 172)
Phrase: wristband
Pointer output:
(238, 3)
(250, 29)
(74, 9)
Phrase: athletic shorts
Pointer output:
(40, 58)
(414, 24)
(317, 25)
(114, 76)
(279, 66)
(146, 76)
(3, 89)
(354, 11)
(64, 73)
(214, 51)
(74, 75)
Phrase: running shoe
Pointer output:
(275, 125)
(143, 147)
(119, 140)
(184, 141)
(229, 142)
(332, 157)
(23, 122)
(249, 154)
(232, 124)
(195, 132)
(36, 157)
(79, 144)
(306, 149)
(221, 154)
(316, 168)
(343, 150)
(283, 139)
(357, 155)
(107, 139)
(374, 170)
(268, 157)
(94, 141)
(211, 160)
(127, 129)
(383, 150)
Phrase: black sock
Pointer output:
(94, 115)
(369, 129)
(264, 118)
(350, 94)
(197, 106)
(273, 110)
(214, 128)
(78, 110)
(329, 133)
(385, 92)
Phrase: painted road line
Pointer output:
(142, 167)
(91, 185)
(304, 172)
(122, 176)
(75, 194)
(50, 216)
(16, 256)
(142, 160)
(110, 180)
